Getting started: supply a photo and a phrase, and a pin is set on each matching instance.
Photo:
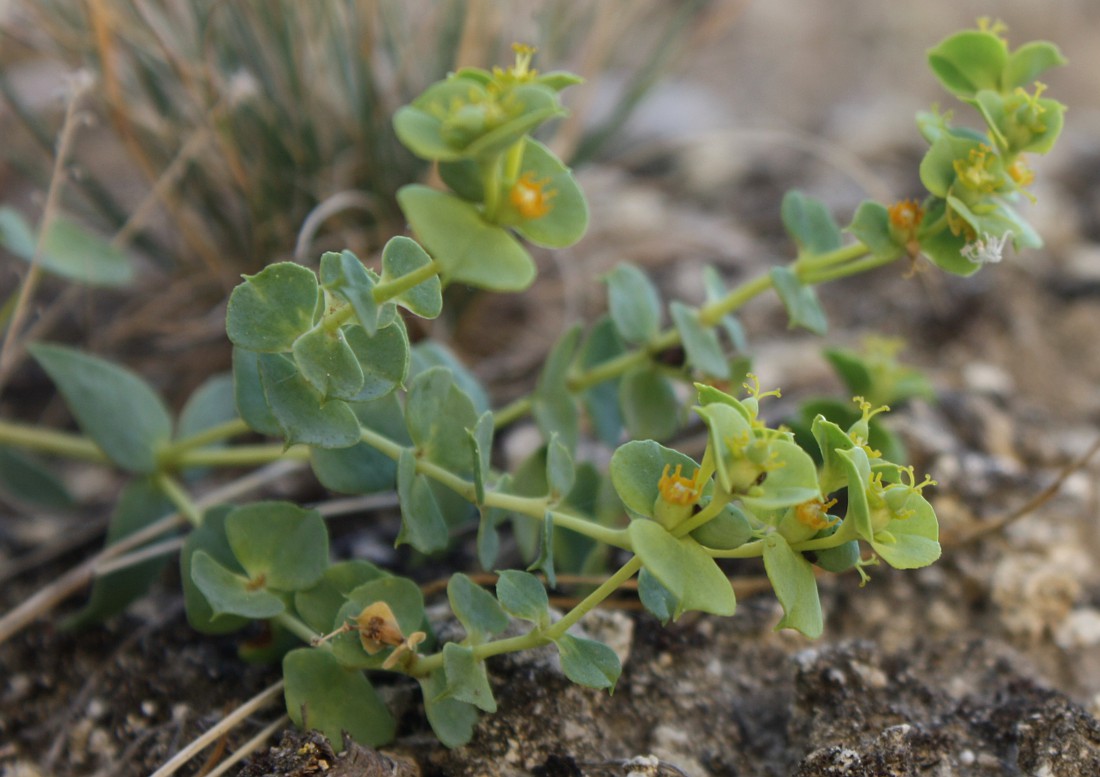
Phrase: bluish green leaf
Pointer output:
(69, 251)
(383, 357)
(800, 301)
(319, 605)
(432, 353)
(279, 544)
(438, 413)
(601, 401)
(1026, 63)
(660, 602)
(362, 468)
(476, 609)
(636, 469)
(229, 593)
(649, 404)
(792, 577)
(809, 223)
(567, 219)
(468, 249)
(140, 505)
(248, 392)
(322, 695)
(401, 257)
(634, 303)
(790, 483)
(272, 308)
(554, 405)
(561, 473)
(544, 562)
(729, 529)
(587, 662)
(112, 405)
(871, 226)
(684, 568)
(25, 479)
(209, 538)
(466, 678)
(301, 411)
(211, 404)
(328, 363)
(704, 352)
(968, 61)
(422, 524)
(453, 721)
(481, 444)
(912, 541)
(522, 595)
(346, 277)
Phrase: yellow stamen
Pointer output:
(676, 489)
(531, 197)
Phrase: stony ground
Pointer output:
(987, 663)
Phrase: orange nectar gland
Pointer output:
(814, 514)
(676, 489)
(1019, 172)
(530, 197)
(905, 217)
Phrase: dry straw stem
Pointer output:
(249, 747)
(78, 577)
(9, 351)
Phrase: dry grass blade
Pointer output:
(249, 747)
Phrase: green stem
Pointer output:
(237, 456)
(208, 436)
(715, 506)
(179, 497)
(513, 411)
(490, 185)
(831, 258)
(43, 440)
(384, 292)
(813, 276)
(590, 602)
(299, 629)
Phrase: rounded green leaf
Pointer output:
(301, 411)
(209, 538)
(438, 413)
(228, 593)
(422, 522)
(809, 223)
(327, 697)
(682, 566)
(729, 529)
(26, 479)
(567, 219)
(634, 303)
(467, 680)
(403, 256)
(319, 605)
(362, 468)
(587, 662)
(871, 226)
(649, 404)
(969, 61)
(272, 308)
(468, 249)
(325, 359)
(248, 391)
(553, 404)
(453, 721)
(210, 405)
(1027, 62)
(69, 251)
(279, 544)
(792, 577)
(112, 405)
(792, 482)
(476, 609)
(913, 541)
(383, 358)
(346, 277)
(704, 352)
(636, 470)
(800, 300)
(523, 596)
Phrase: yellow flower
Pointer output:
(676, 489)
(530, 197)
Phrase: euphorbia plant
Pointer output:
(323, 362)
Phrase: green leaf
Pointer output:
(567, 220)
(636, 470)
(809, 223)
(322, 695)
(383, 357)
(69, 251)
(319, 605)
(481, 442)
(431, 353)
(467, 680)
(658, 600)
(438, 413)
(279, 544)
(326, 360)
(716, 290)
(725, 423)
(27, 480)
(544, 562)
(601, 401)
(346, 277)
(911, 542)
(561, 473)
(476, 609)
(211, 404)
(937, 168)
(403, 256)
(684, 568)
(405, 601)
(704, 352)
(228, 593)
(248, 392)
(112, 405)
(1026, 63)
(522, 595)
(361, 468)
(729, 529)
(871, 226)
(968, 61)
(272, 308)
(944, 248)
(792, 482)
(422, 524)
(554, 407)
(209, 538)
(634, 303)
(800, 301)
(649, 404)
(302, 413)
(587, 662)
(140, 505)
(468, 249)
(453, 721)
(792, 577)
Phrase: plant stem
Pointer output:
(384, 292)
(209, 436)
(237, 456)
(588, 603)
(44, 440)
(179, 497)
(298, 628)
